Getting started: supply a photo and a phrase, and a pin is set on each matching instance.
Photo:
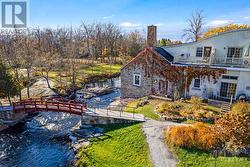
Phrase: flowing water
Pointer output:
(36, 144)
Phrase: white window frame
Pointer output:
(238, 50)
(194, 86)
(202, 51)
(134, 76)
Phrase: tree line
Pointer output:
(25, 51)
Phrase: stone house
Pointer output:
(230, 51)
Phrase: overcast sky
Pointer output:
(170, 16)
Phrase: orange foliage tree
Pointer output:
(235, 130)
(214, 31)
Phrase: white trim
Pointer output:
(137, 75)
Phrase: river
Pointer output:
(35, 144)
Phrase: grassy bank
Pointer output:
(88, 71)
(195, 158)
(147, 110)
(122, 146)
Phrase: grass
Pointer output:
(122, 146)
(195, 158)
(147, 110)
(88, 71)
(99, 69)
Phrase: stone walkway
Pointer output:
(160, 154)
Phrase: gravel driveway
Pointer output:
(160, 154)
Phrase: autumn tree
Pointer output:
(216, 30)
(195, 26)
(164, 42)
(135, 43)
(234, 129)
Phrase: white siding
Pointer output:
(220, 43)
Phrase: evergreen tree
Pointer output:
(8, 88)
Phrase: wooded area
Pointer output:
(41, 51)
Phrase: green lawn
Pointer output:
(194, 158)
(88, 71)
(99, 69)
(147, 110)
(122, 146)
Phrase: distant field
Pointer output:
(86, 71)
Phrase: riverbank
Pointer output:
(122, 145)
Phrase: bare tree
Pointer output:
(27, 55)
(194, 30)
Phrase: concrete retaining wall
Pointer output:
(96, 120)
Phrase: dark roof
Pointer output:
(164, 54)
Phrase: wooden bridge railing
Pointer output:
(43, 104)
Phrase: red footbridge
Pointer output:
(12, 114)
(49, 104)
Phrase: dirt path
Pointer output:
(160, 154)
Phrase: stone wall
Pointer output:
(149, 83)
(95, 120)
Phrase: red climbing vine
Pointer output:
(154, 64)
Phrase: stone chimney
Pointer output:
(152, 36)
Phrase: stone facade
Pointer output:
(149, 83)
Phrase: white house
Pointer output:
(228, 50)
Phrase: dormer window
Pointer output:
(199, 51)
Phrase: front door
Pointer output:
(207, 53)
(228, 90)
(162, 87)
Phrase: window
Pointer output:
(230, 77)
(199, 51)
(137, 79)
(228, 90)
(197, 83)
(234, 52)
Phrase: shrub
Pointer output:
(181, 136)
(200, 136)
(196, 103)
(169, 109)
(235, 128)
(207, 136)
(241, 108)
